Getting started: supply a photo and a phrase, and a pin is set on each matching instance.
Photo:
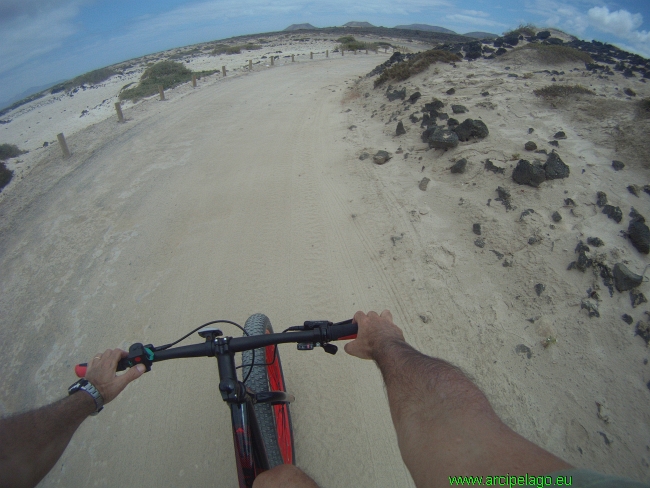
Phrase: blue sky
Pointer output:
(48, 40)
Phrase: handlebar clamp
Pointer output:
(139, 354)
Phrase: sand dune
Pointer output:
(248, 195)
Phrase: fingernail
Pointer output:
(140, 367)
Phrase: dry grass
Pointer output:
(524, 30)
(555, 91)
(226, 49)
(551, 54)
(417, 64)
(9, 151)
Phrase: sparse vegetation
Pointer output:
(25, 100)
(169, 74)
(523, 30)
(553, 91)
(417, 64)
(9, 151)
(91, 78)
(644, 107)
(551, 54)
(349, 43)
(226, 49)
(5, 175)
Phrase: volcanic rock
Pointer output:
(527, 173)
(415, 97)
(396, 94)
(458, 109)
(400, 129)
(381, 157)
(443, 139)
(639, 235)
(601, 199)
(459, 166)
(555, 168)
(624, 279)
(471, 128)
(530, 146)
(618, 165)
(615, 214)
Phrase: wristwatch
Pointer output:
(87, 386)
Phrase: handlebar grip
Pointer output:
(343, 332)
(80, 370)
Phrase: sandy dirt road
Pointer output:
(236, 199)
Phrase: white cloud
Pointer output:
(621, 23)
(25, 36)
(460, 19)
(475, 13)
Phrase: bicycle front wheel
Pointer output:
(266, 375)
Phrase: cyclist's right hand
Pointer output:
(374, 331)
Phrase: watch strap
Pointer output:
(86, 386)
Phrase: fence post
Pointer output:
(250, 65)
(327, 53)
(63, 144)
(161, 91)
(118, 109)
(292, 60)
(223, 70)
(193, 81)
(311, 55)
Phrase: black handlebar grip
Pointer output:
(343, 332)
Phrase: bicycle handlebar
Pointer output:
(318, 332)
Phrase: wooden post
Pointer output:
(272, 57)
(118, 109)
(161, 91)
(64, 145)
(292, 60)
(193, 81)
(250, 65)
(311, 55)
(223, 70)
(327, 53)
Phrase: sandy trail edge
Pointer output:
(236, 201)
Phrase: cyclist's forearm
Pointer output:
(445, 424)
(32, 442)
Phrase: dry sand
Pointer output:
(247, 195)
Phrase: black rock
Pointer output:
(476, 228)
(423, 183)
(526, 213)
(443, 116)
(451, 91)
(539, 288)
(530, 146)
(627, 319)
(45, 144)
(615, 214)
(451, 123)
(617, 165)
(396, 94)
(624, 279)
(581, 247)
(527, 173)
(400, 129)
(591, 307)
(583, 261)
(556, 216)
(471, 128)
(364, 155)
(415, 97)
(569, 202)
(443, 139)
(501, 51)
(636, 216)
(555, 168)
(504, 198)
(554, 143)
(480, 242)
(381, 157)
(634, 190)
(459, 166)
(425, 135)
(543, 35)
(595, 241)
(490, 166)
(458, 109)
(601, 198)
(639, 234)
(413, 118)
(485, 94)
(559, 135)
(534, 240)
(643, 331)
(637, 298)
(629, 92)
(608, 277)
(433, 106)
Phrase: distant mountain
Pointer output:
(26, 93)
(294, 27)
(358, 24)
(426, 27)
(481, 35)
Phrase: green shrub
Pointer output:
(552, 54)
(166, 73)
(9, 151)
(417, 64)
(91, 78)
(226, 49)
(346, 39)
(349, 43)
(562, 91)
(5, 175)
(524, 30)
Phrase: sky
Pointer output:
(43, 41)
